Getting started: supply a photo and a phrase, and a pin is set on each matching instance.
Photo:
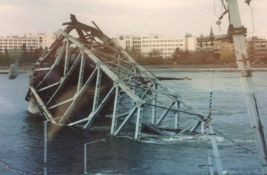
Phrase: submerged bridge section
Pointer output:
(86, 78)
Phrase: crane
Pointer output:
(237, 33)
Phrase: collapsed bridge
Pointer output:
(86, 78)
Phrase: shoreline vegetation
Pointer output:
(178, 68)
(199, 58)
(202, 68)
(202, 60)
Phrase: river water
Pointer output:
(21, 135)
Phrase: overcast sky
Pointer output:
(167, 17)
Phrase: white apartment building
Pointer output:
(166, 46)
(32, 42)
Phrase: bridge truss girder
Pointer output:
(93, 74)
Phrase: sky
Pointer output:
(115, 17)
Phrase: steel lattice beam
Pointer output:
(111, 76)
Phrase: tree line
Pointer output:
(205, 56)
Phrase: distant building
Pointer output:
(206, 42)
(216, 46)
(224, 47)
(166, 46)
(32, 42)
(257, 48)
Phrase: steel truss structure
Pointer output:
(85, 76)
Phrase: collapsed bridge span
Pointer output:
(85, 77)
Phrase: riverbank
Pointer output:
(6, 71)
(179, 68)
(22, 69)
(202, 68)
